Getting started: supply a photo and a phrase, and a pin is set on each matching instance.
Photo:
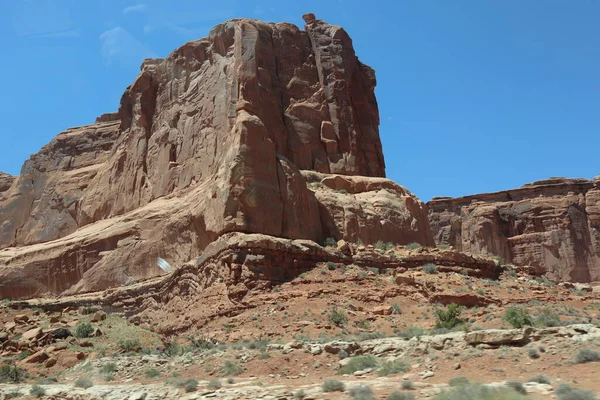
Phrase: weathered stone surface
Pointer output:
(6, 181)
(553, 225)
(210, 140)
(499, 336)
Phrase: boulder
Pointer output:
(36, 358)
(498, 337)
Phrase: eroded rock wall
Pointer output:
(553, 225)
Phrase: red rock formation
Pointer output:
(6, 181)
(553, 225)
(209, 140)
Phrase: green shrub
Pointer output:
(203, 343)
(333, 385)
(499, 260)
(361, 392)
(516, 386)
(443, 247)
(539, 378)
(411, 331)
(392, 368)
(173, 348)
(587, 355)
(396, 395)
(83, 330)
(109, 368)
(214, 384)
(330, 242)
(566, 392)
(448, 318)
(190, 385)
(459, 381)
(330, 265)
(337, 317)
(511, 272)
(479, 392)
(548, 318)
(13, 395)
(130, 345)
(412, 246)
(152, 373)
(84, 383)
(383, 246)
(396, 309)
(358, 364)
(430, 268)
(11, 373)
(533, 354)
(407, 385)
(231, 368)
(518, 317)
(37, 391)
(230, 380)
(300, 394)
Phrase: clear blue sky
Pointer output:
(474, 96)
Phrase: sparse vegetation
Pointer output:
(539, 378)
(396, 309)
(586, 356)
(230, 368)
(333, 385)
(566, 392)
(361, 392)
(37, 391)
(412, 246)
(300, 394)
(532, 353)
(411, 331)
(214, 384)
(518, 317)
(330, 242)
(430, 268)
(396, 395)
(11, 373)
(516, 386)
(547, 317)
(448, 318)
(358, 363)
(129, 345)
(337, 317)
(392, 368)
(384, 246)
(330, 265)
(190, 385)
(407, 385)
(84, 383)
(173, 348)
(152, 373)
(84, 330)
(479, 392)
(459, 381)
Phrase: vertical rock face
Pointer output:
(212, 139)
(553, 225)
(5, 181)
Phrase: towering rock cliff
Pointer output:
(553, 225)
(218, 137)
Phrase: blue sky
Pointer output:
(474, 96)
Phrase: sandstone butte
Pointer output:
(259, 129)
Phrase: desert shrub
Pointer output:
(152, 373)
(587, 355)
(479, 392)
(516, 386)
(499, 260)
(11, 373)
(333, 385)
(411, 331)
(330, 242)
(231, 368)
(511, 272)
(539, 378)
(392, 368)
(173, 348)
(84, 383)
(458, 381)
(37, 391)
(361, 392)
(190, 385)
(412, 246)
(24, 354)
(396, 309)
(396, 395)
(214, 384)
(363, 324)
(448, 318)
(330, 265)
(83, 330)
(407, 385)
(12, 395)
(566, 392)
(546, 317)
(109, 368)
(384, 246)
(532, 353)
(300, 394)
(130, 345)
(430, 268)
(230, 380)
(358, 364)
(264, 355)
(443, 247)
(518, 317)
(337, 317)
(203, 343)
